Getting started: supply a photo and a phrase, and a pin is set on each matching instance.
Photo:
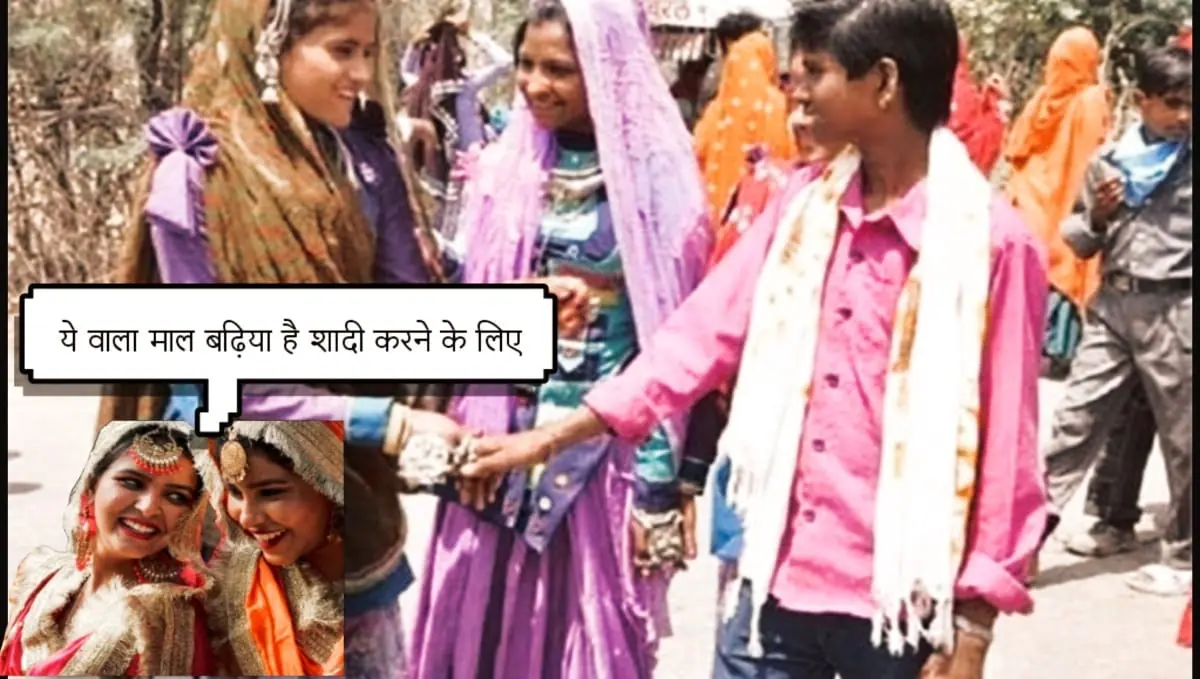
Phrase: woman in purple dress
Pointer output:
(277, 169)
(594, 181)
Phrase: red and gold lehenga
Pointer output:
(152, 625)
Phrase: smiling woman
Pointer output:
(279, 493)
(277, 168)
(592, 188)
(126, 598)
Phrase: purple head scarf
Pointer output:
(650, 173)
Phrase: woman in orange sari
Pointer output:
(749, 110)
(1049, 147)
(276, 609)
(126, 598)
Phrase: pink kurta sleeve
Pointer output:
(1010, 506)
(698, 347)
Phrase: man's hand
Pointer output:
(965, 662)
(495, 456)
(1109, 196)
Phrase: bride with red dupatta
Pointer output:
(126, 598)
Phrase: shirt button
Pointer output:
(832, 380)
(544, 504)
(845, 313)
(561, 480)
(856, 256)
(818, 445)
(808, 515)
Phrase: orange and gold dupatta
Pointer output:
(274, 634)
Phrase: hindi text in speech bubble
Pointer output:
(225, 336)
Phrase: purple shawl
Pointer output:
(652, 182)
(646, 156)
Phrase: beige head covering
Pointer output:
(315, 451)
(184, 542)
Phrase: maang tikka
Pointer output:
(158, 459)
(233, 462)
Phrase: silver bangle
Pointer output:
(970, 627)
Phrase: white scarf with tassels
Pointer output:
(931, 401)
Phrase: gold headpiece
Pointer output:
(158, 459)
(233, 462)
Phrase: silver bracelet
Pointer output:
(967, 626)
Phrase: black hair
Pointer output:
(696, 66)
(540, 13)
(736, 25)
(1163, 70)
(158, 435)
(309, 15)
(919, 35)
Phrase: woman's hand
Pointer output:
(640, 534)
(575, 305)
(430, 422)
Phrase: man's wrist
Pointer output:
(977, 611)
(968, 646)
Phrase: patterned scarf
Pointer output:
(923, 499)
(277, 210)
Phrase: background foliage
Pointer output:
(85, 75)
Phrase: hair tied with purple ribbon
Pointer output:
(181, 130)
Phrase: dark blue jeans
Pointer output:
(808, 646)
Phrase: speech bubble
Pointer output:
(226, 336)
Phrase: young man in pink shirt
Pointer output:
(884, 461)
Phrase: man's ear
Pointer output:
(889, 83)
(1138, 97)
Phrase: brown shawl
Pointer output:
(277, 209)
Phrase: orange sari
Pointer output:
(1049, 149)
(749, 110)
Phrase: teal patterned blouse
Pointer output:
(576, 238)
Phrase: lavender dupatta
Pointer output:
(655, 198)
(653, 188)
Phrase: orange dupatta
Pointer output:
(274, 635)
(1049, 149)
(749, 109)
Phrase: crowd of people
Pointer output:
(746, 291)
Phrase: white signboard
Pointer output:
(706, 13)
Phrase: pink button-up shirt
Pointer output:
(826, 559)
